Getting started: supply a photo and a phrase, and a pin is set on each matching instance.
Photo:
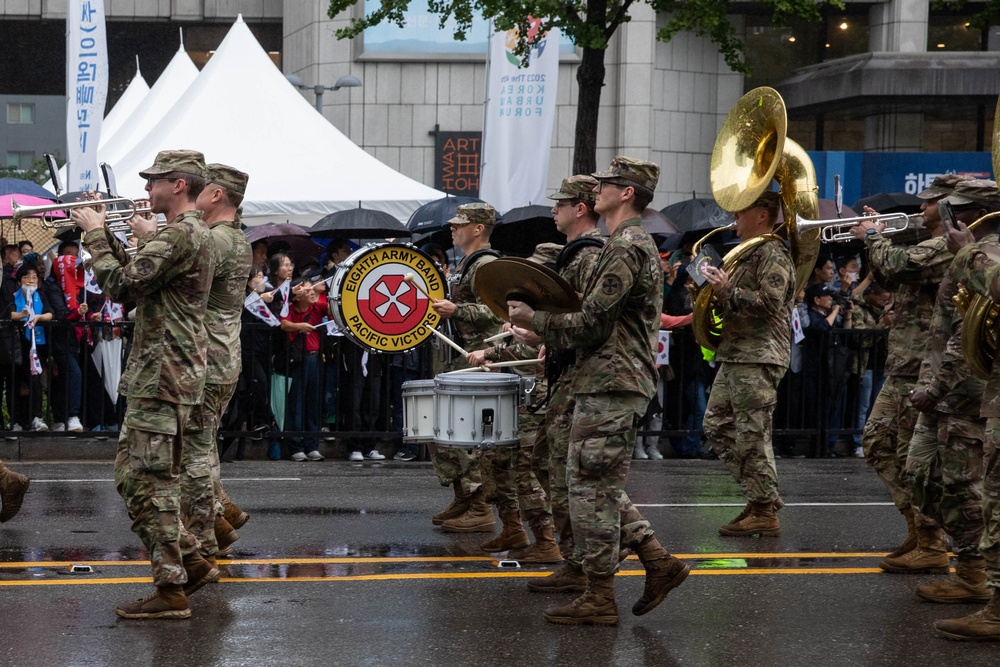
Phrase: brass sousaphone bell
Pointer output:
(750, 151)
(513, 278)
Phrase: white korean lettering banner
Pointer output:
(520, 114)
(86, 90)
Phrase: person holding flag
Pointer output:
(30, 305)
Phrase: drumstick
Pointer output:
(509, 364)
(410, 278)
(502, 334)
(477, 369)
(447, 340)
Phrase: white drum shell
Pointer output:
(419, 401)
(462, 401)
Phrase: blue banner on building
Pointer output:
(866, 174)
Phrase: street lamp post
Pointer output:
(346, 81)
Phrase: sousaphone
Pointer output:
(750, 152)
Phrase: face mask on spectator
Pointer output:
(29, 291)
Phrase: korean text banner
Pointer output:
(86, 90)
(520, 114)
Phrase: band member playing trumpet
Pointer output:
(614, 336)
(756, 304)
(461, 468)
(914, 273)
(169, 278)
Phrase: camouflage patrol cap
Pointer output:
(479, 214)
(167, 162)
(974, 191)
(639, 172)
(943, 185)
(226, 176)
(580, 186)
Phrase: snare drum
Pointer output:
(418, 411)
(375, 307)
(476, 410)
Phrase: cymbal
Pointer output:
(513, 278)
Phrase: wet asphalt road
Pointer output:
(340, 565)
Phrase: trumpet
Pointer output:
(838, 230)
(119, 211)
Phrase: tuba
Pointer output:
(750, 151)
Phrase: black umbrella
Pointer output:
(434, 216)
(655, 223)
(694, 214)
(297, 237)
(520, 229)
(360, 223)
(890, 202)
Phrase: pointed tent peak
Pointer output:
(181, 31)
(138, 72)
(239, 18)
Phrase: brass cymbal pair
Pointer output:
(516, 279)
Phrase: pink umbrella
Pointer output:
(6, 210)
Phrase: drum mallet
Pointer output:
(412, 279)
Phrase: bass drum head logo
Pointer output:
(378, 308)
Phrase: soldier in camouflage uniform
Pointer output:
(13, 486)
(614, 337)
(914, 274)
(169, 279)
(208, 512)
(472, 323)
(756, 308)
(977, 268)
(945, 457)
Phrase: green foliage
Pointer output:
(981, 19)
(37, 172)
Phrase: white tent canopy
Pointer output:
(126, 105)
(242, 111)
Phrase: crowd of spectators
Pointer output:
(62, 343)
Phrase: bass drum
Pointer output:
(375, 307)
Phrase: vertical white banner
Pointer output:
(520, 113)
(86, 90)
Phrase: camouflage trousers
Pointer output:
(201, 482)
(509, 479)
(558, 420)
(456, 464)
(738, 425)
(945, 464)
(989, 545)
(601, 441)
(887, 434)
(148, 470)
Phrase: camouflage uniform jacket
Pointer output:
(616, 332)
(943, 372)
(977, 268)
(865, 316)
(472, 320)
(757, 316)
(914, 274)
(169, 279)
(225, 301)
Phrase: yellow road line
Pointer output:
(430, 575)
(427, 559)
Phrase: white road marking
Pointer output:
(885, 504)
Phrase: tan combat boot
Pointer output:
(233, 514)
(165, 602)
(544, 550)
(983, 626)
(595, 607)
(664, 573)
(567, 578)
(459, 506)
(224, 535)
(13, 486)
(929, 557)
(778, 503)
(477, 519)
(762, 521)
(512, 536)
(968, 584)
(910, 543)
(199, 572)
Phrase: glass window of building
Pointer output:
(20, 159)
(20, 113)
(950, 30)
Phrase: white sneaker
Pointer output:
(314, 455)
(355, 456)
(859, 453)
(298, 456)
(16, 427)
(58, 427)
(653, 452)
(374, 455)
(74, 425)
(329, 437)
(38, 425)
(639, 454)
